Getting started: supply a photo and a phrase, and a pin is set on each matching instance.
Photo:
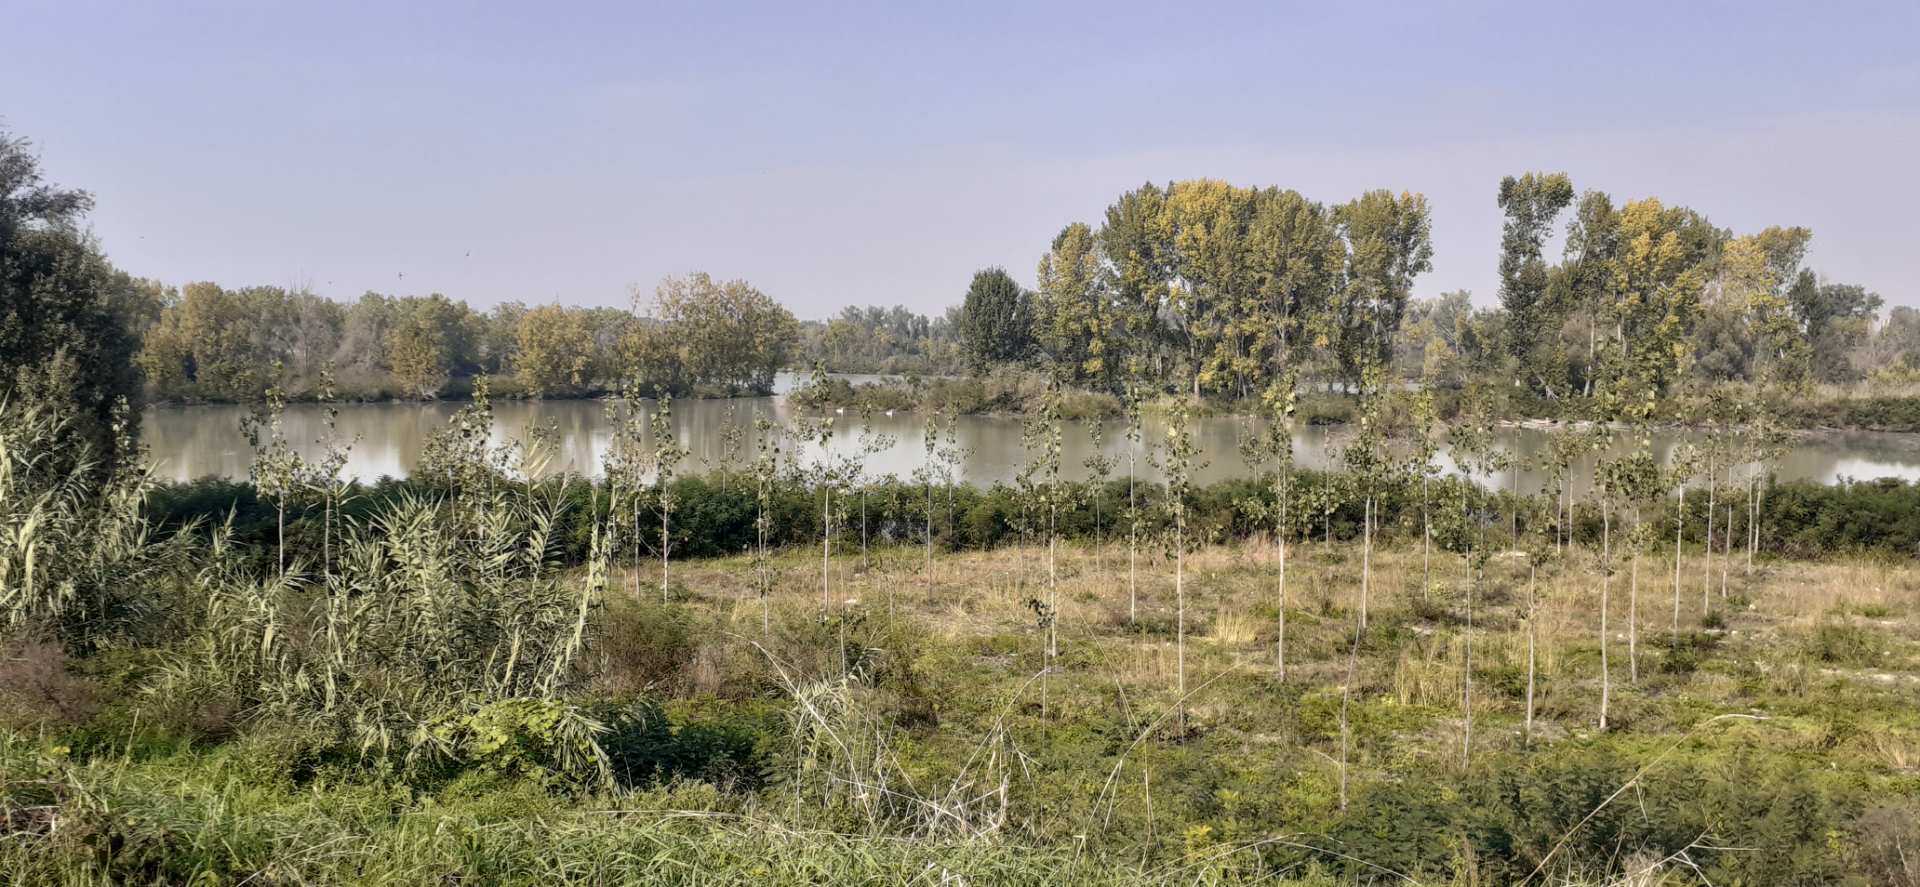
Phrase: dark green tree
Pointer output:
(67, 317)
(1531, 202)
(996, 321)
(1837, 318)
(1389, 243)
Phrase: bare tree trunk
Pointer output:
(1606, 585)
(1513, 506)
(1727, 551)
(1633, 605)
(1706, 559)
(1532, 639)
(766, 585)
(1753, 519)
(1564, 532)
(1466, 672)
(1346, 730)
(1366, 556)
(1280, 643)
(826, 544)
(1592, 323)
(1679, 522)
(1133, 548)
(929, 495)
(1426, 541)
(1053, 585)
(1180, 628)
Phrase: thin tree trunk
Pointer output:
(1053, 584)
(1532, 639)
(1426, 541)
(1280, 643)
(1466, 671)
(1593, 322)
(1180, 628)
(1726, 554)
(1633, 605)
(1133, 550)
(1679, 521)
(1753, 519)
(1366, 557)
(1706, 559)
(929, 493)
(766, 588)
(1606, 585)
(826, 544)
(1513, 504)
(1346, 730)
(1565, 530)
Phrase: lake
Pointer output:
(189, 442)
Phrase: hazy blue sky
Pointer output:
(879, 153)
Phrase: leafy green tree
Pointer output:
(729, 335)
(1654, 284)
(1836, 319)
(1895, 346)
(1298, 259)
(1531, 203)
(996, 320)
(203, 346)
(1749, 280)
(552, 350)
(424, 343)
(1389, 243)
(68, 319)
(875, 339)
(1212, 272)
(362, 349)
(1073, 323)
(1138, 246)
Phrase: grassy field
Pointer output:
(912, 736)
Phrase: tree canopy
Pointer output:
(69, 321)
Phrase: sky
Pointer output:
(837, 154)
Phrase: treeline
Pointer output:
(697, 335)
(878, 339)
(1228, 286)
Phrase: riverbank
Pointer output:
(460, 389)
(1019, 393)
(1012, 392)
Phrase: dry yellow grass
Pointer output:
(981, 600)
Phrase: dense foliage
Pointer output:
(697, 335)
(69, 321)
(892, 340)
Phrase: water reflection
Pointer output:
(189, 442)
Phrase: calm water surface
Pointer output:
(188, 442)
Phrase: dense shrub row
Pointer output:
(715, 514)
